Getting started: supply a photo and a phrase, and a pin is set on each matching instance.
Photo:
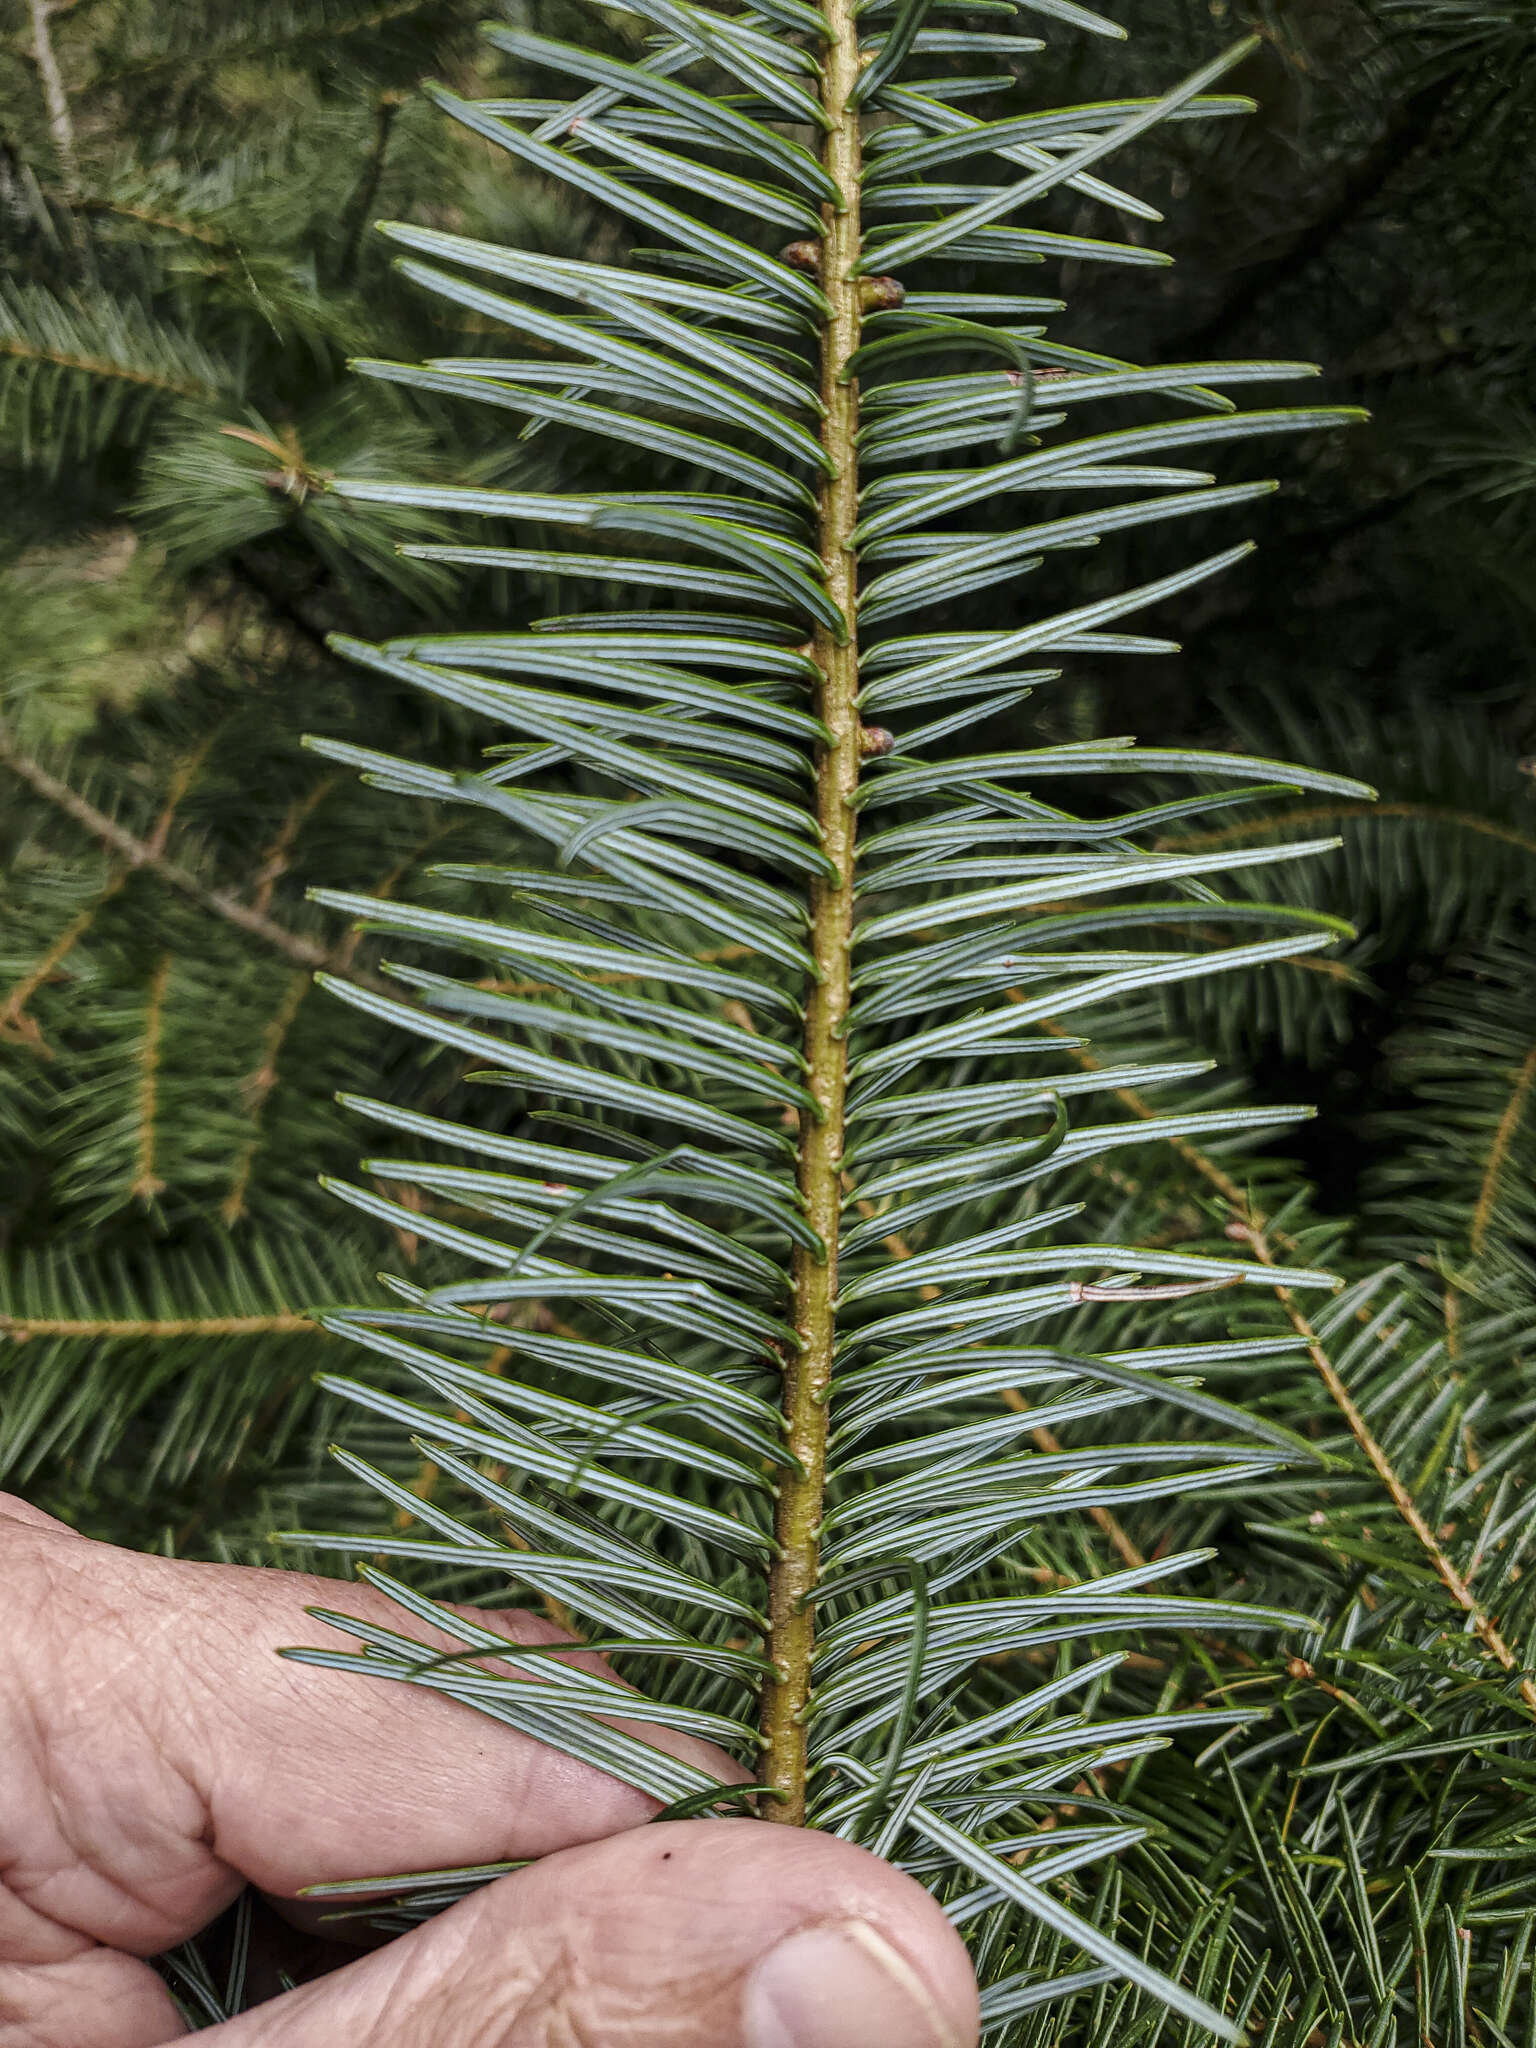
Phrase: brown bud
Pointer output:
(804, 256)
(881, 294)
(296, 483)
(875, 740)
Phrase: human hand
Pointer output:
(156, 1755)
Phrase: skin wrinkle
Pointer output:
(575, 1989)
(26, 1932)
(97, 1996)
(547, 1997)
(29, 1732)
(569, 2010)
(127, 1905)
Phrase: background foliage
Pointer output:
(186, 271)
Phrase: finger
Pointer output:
(15, 1509)
(695, 1934)
(92, 1999)
(84, 1996)
(182, 1749)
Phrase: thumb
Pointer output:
(692, 1934)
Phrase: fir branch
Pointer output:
(24, 349)
(1480, 1624)
(358, 211)
(1372, 1897)
(266, 42)
(142, 854)
(1309, 816)
(14, 1021)
(1498, 1153)
(24, 1329)
(277, 857)
(258, 1086)
(1250, 1225)
(808, 1371)
(37, 328)
(155, 217)
(1458, 1201)
(146, 1183)
(786, 1169)
(60, 120)
(183, 774)
(13, 1018)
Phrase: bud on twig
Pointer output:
(881, 294)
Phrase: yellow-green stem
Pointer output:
(807, 1375)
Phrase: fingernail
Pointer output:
(841, 1986)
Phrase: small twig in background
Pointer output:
(60, 121)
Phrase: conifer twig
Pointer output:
(151, 217)
(236, 48)
(275, 861)
(1254, 1228)
(1332, 814)
(1498, 1153)
(808, 1372)
(155, 1329)
(258, 1085)
(15, 1024)
(13, 344)
(1481, 1624)
(142, 853)
(146, 1182)
(60, 121)
(357, 212)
